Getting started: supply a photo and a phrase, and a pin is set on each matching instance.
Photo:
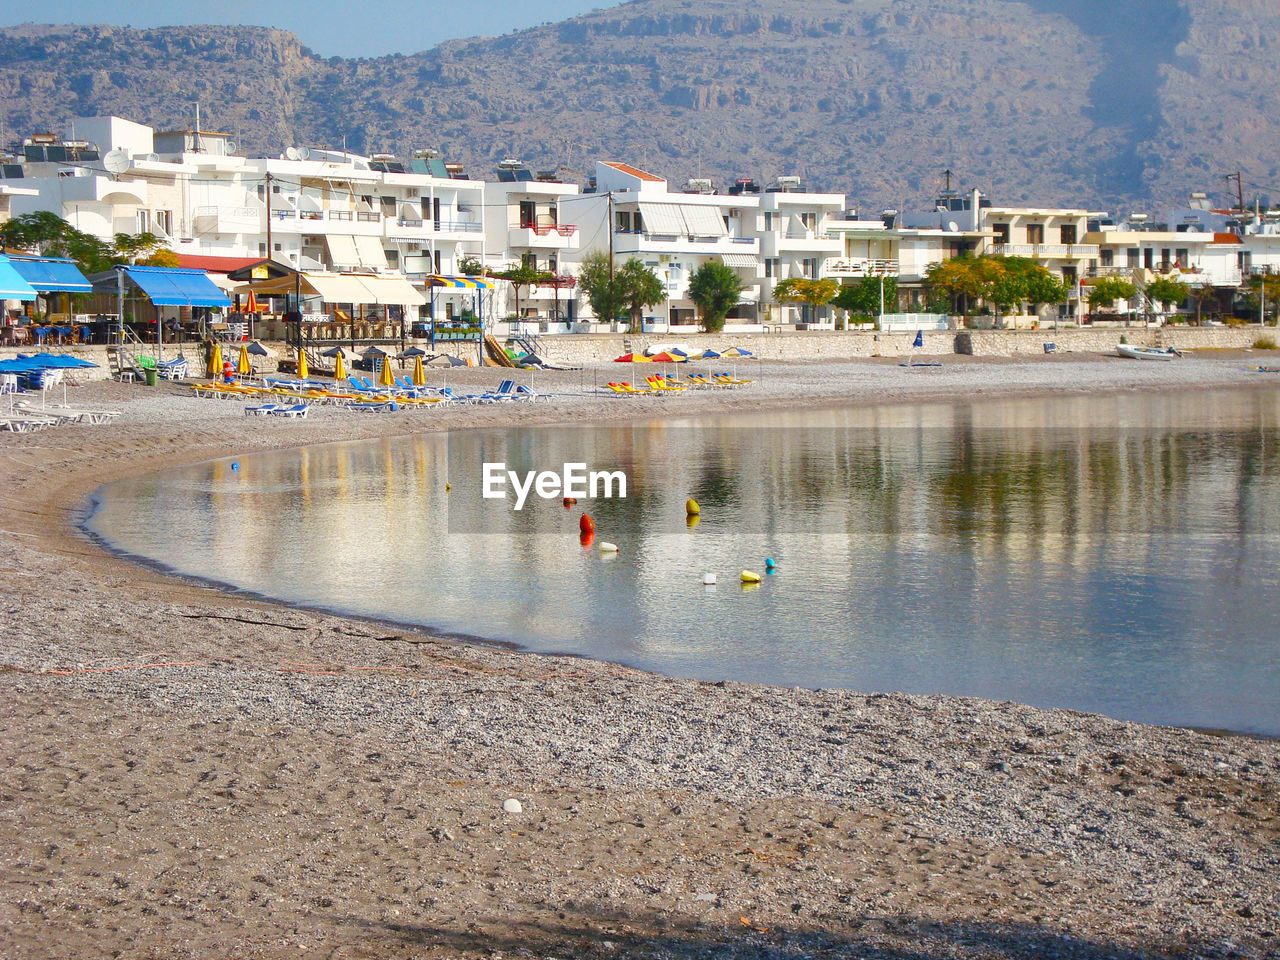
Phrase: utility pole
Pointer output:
(1239, 191)
(270, 178)
(609, 195)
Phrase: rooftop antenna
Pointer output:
(946, 189)
(197, 142)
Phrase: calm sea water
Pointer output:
(1118, 555)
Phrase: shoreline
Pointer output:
(579, 741)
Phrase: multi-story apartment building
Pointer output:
(529, 220)
(637, 215)
(309, 209)
(794, 228)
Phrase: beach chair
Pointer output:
(292, 412)
(661, 384)
(261, 410)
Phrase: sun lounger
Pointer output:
(292, 412)
(261, 410)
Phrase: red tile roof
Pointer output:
(634, 172)
(195, 261)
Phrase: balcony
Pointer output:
(626, 242)
(1047, 251)
(544, 236)
(859, 267)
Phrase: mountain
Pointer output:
(1097, 102)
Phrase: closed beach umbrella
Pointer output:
(245, 365)
(215, 363)
(384, 374)
(419, 372)
(302, 364)
(251, 304)
(339, 371)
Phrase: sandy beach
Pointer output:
(191, 774)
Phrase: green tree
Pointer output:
(1264, 293)
(598, 280)
(47, 234)
(959, 279)
(862, 296)
(524, 275)
(714, 288)
(1105, 291)
(132, 247)
(639, 287)
(814, 293)
(1167, 292)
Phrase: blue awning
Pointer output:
(12, 286)
(176, 287)
(51, 274)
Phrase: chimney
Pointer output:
(975, 212)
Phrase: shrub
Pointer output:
(1264, 343)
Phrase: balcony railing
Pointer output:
(1047, 250)
(543, 229)
(867, 267)
(459, 226)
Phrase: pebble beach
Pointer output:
(190, 773)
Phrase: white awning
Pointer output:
(662, 218)
(342, 250)
(739, 259)
(703, 221)
(338, 288)
(369, 250)
(395, 290)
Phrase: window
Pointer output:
(1068, 234)
(551, 264)
(393, 259)
(768, 221)
(529, 260)
(262, 249)
(1107, 258)
(1002, 232)
(1135, 256)
(435, 219)
(1035, 233)
(809, 221)
(528, 213)
(262, 191)
(772, 266)
(1148, 258)
(275, 188)
(164, 221)
(1069, 276)
(144, 221)
(1184, 260)
(437, 258)
(809, 267)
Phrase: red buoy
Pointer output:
(569, 502)
(586, 524)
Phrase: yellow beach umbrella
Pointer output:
(215, 363)
(384, 375)
(339, 371)
(244, 366)
(302, 364)
(419, 372)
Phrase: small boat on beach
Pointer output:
(1147, 353)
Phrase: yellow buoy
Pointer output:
(447, 488)
(691, 507)
(749, 576)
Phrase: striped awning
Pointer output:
(474, 283)
(739, 259)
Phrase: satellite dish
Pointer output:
(291, 153)
(231, 146)
(304, 153)
(953, 227)
(116, 162)
(1192, 228)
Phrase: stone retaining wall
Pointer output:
(579, 349)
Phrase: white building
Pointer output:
(796, 240)
(529, 220)
(672, 233)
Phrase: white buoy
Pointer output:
(709, 579)
(607, 547)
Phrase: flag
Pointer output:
(919, 340)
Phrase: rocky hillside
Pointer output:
(1051, 101)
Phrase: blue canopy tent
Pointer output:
(12, 285)
(52, 274)
(168, 287)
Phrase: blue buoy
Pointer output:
(768, 563)
(236, 465)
